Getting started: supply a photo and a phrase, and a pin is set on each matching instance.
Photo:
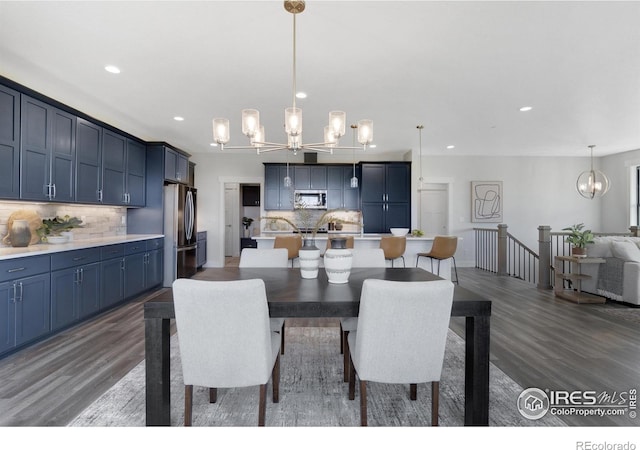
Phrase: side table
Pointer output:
(575, 295)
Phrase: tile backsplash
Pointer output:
(97, 221)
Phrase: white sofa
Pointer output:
(621, 252)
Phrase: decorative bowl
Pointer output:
(56, 239)
(399, 231)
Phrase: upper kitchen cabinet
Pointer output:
(277, 196)
(123, 170)
(176, 166)
(192, 174)
(47, 147)
(386, 196)
(88, 162)
(340, 194)
(310, 177)
(9, 143)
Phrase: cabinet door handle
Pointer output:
(122, 264)
(18, 299)
(54, 190)
(78, 258)
(100, 195)
(17, 269)
(81, 275)
(13, 299)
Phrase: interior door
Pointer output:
(231, 219)
(434, 210)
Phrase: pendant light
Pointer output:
(354, 179)
(420, 127)
(592, 183)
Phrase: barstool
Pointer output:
(393, 247)
(444, 247)
(291, 243)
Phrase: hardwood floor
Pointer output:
(538, 340)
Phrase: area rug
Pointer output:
(312, 393)
(629, 314)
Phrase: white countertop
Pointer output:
(42, 249)
(364, 237)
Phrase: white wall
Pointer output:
(537, 191)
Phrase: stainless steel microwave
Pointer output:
(310, 199)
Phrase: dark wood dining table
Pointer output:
(289, 295)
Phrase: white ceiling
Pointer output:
(463, 69)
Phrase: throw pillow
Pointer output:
(627, 251)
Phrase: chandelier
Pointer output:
(592, 183)
(292, 119)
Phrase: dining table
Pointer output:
(289, 295)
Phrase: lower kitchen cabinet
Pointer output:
(42, 294)
(75, 294)
(111, 282)
(201, 249)
(24, 310)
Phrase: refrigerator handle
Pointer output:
(188, 217)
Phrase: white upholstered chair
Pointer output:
(225, 338)
(267, 257)
(401, 337)
(362, 257)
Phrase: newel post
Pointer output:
(544, 253)
(502, 250)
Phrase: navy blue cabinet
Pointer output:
(386, 196)
(88, 162)
(111, 275)
(47, 148)
(9, 143)
(277, 196)
(340, 194)
(310, 177)
(24, 301)
(123, 170)
(75, 286)
(201, 248)
(176, 166)
(143, 266)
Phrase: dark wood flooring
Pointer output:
(538, 340)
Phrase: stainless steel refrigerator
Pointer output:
(180, 232)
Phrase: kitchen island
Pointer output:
(415, 245)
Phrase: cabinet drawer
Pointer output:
(112, 251)
(155, 244)
(12, 269)
(135, 247)
(74, 258)
(201, 236)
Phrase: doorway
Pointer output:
(231, 219)
(434, 209)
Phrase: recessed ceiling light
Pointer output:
(372, 146)
(526, 108)
(178, 118)
(449, 147)
(213, 144)
(111, 69)
(301, 95)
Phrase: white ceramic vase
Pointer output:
(309, 258)
(337, 264)
(20, 234)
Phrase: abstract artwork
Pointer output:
(486, 201)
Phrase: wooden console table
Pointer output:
(575, 295)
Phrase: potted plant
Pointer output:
(578, 238)
(247, 221)
(57, 226)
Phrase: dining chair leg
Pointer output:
(188, 401)
(363, 403)
(213, 395)
(345, 356)
(262, 405)
(413, 391)
(341, 340)
(435, 402)
(352, 379)
(456, 270)
(282, 339)
(275, 379)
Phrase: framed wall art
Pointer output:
(486, 201)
